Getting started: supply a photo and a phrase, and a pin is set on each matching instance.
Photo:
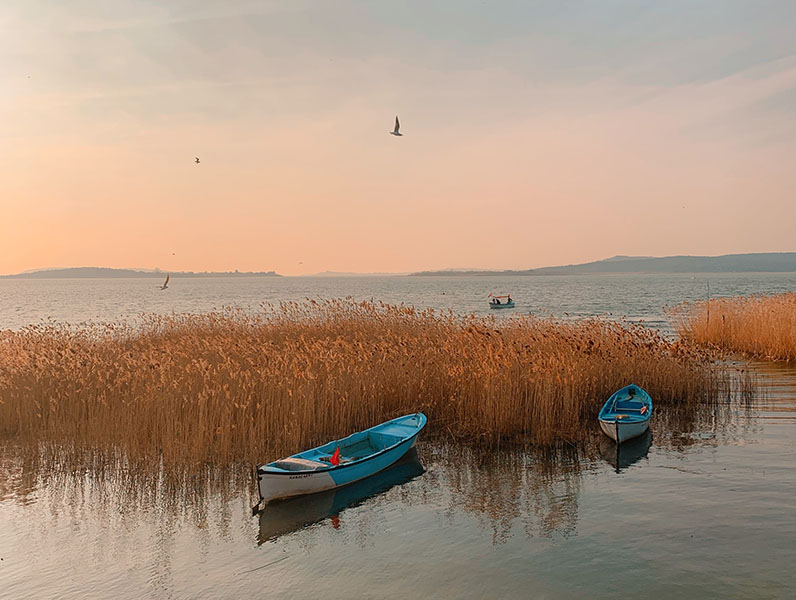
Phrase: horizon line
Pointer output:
(331, 273)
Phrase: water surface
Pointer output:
(703, 513)
(699, 510)
(636, 297)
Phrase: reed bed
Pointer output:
(233, 388)
(757, 326)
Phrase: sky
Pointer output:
(535, 133)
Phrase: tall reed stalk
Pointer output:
(229, 387)
(759, 326)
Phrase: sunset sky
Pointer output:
(535, 133)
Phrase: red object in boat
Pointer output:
(335, 460)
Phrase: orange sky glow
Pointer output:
(533, 135)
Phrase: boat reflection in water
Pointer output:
(282, 517)
(621, 456)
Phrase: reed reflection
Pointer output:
(537, 489)
(506, 489)
(711, 422)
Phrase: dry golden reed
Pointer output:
(759, 326)
(230, 387)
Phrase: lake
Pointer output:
(705, 510)
(636, 297)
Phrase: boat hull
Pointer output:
(504, 305)
(624, 431)
(277, 486)
(626, 414)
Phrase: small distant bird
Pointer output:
(196, 159)
(301, 262)
(165, 283)
(397, 127)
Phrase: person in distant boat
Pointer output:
(497, 300)
(508, 299)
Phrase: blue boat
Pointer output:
(626, 414)
(496, 302)
(339, 462)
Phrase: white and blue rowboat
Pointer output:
(361, 454)
(626, 414)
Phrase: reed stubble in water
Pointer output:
(759, 326)
(235, 388)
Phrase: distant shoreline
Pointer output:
(107, 273)
(761, 262)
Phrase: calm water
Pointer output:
(706, 511)
(636, 297)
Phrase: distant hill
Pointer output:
(762, 262)
(106, 273)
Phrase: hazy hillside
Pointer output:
(764, 262)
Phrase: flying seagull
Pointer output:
(196, 159)
(397, 127)
(165, 283)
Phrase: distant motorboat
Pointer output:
(496, 301)
(626, 414)
(339, 462)
(502, 305)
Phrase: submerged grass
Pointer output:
(235, 388)
(758, 326)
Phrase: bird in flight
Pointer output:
(196, 159)
(397, 127)
(165, 283)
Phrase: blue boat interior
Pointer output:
(631, 404)
(355, 447)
